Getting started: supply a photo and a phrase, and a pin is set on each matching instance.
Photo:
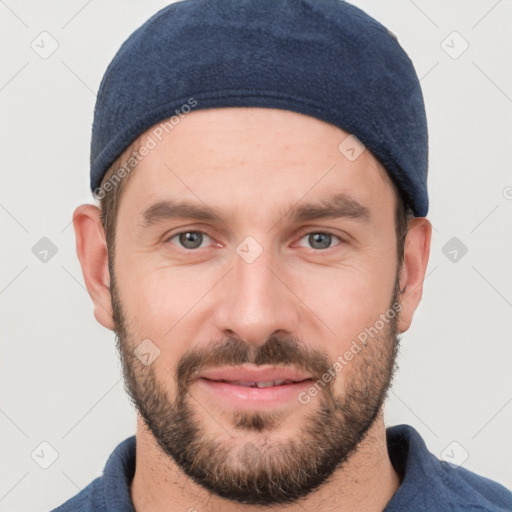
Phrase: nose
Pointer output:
(255, 301)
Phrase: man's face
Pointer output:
(267, 289)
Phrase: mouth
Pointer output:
(249, 375)
(267, 384)
(250, 387)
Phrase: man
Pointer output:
(260, 245)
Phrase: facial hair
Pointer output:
(267, 472)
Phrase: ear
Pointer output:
(416, 253)
(91, 248)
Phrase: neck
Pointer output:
(366, 482)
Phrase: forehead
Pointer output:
(253, 158)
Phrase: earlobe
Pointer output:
(416, 253)
(91, 248)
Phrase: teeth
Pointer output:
(243, 383)
(267, 384)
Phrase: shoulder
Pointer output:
(472, 490)
(86, 500)
(111, 491)
(429, 484)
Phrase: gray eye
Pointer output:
(320, 240)
(191, 239)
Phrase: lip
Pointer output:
(245, 398)
(251, 373)
(221, 384)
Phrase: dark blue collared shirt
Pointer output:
(428, 484)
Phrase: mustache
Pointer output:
(276, 351)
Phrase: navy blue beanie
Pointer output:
(323, 58)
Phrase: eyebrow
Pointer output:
(164, 210)
(338, 206)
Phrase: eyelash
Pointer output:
(340, 240)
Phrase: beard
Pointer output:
(265, 471)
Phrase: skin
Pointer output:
(254, 165)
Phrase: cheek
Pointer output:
(161, 302)
(347, 300)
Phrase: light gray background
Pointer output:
(60, 378)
